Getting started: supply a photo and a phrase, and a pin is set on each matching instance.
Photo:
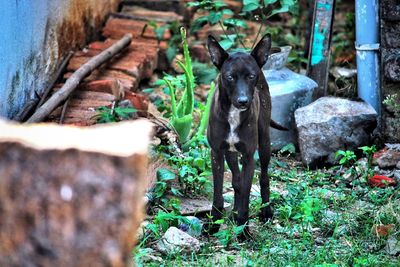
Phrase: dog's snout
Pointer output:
(243, 100)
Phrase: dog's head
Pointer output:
(239, 71)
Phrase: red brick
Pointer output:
(151, 15)
(139, 101)
(105, 86)
(98, 96)
(199, 52)
(116, 28)
(127, 81)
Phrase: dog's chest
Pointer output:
(234, 121)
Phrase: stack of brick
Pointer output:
(125, 71)
(390, 47)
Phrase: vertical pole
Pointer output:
(367, 46)
(319, 54)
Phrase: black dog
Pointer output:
(239, 123)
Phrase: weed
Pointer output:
(392, 103)
(106, 114)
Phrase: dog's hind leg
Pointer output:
(232, 160)
(264, 151)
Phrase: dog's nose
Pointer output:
(243, 100)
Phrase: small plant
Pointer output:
(114, 114)
(218, 13)
(369, 151)
(346, 158)
(162, 186)
(393, 104)
(182, 111)
(230, 234)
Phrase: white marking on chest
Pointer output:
(234, 121)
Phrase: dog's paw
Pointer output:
(245, 235)
(266, 214)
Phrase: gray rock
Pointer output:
(329, 217)
(330, 124)
(398, 165)
(392, 246)
(289, 91)
(396, 175)
(177, 241)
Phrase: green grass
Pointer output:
(320, 219)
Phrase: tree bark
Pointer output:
(71, 196)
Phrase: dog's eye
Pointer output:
(252, 76)
(229, 78)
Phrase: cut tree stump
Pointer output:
(71, 196)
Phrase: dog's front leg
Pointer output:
(232, 160)
(217, 162)
(246, 178)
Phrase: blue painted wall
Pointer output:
(22, 34)
(30, 33)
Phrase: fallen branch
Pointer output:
(73, 82)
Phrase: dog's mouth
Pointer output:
(241, 107)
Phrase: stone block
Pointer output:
(392, 67)
(391, 34)
(390, 10)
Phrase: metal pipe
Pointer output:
(367, 47)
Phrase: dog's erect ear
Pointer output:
(217, 53)
(262, 49)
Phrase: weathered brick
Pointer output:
(139, 101)
(105, 86)
(116, 28)
(392, 67)
(98, 96)
(390, 10)
(199, 52)
(126, 80)
(150, 15)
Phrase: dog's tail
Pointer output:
(277, 126)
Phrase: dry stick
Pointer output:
(55, 78)
(64, 109)
(73, 82)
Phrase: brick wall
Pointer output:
(390, 62)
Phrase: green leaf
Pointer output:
(228, 12)
(268, 2)
(171, 53)
(220, 221)
(200, 163)
(165, 175)
(288, 148)
(214, 17)
(232, 22)
(226, 44)
(250, 5)
(198, 23)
